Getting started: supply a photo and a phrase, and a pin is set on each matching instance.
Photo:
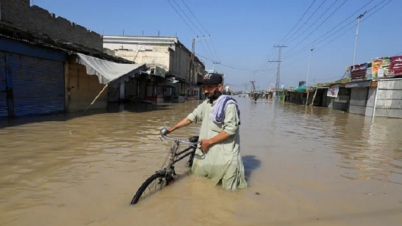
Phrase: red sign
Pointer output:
(395, 68)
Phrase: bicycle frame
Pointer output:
(176, 156)
(164, 176)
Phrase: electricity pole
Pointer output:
(308, 67)
(213, 64)
(357, 35)
(278, 73)
(191, 74)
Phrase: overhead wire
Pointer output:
(182, 18)
(329, 34)
(332, 30)
(213, 46)
(202, 26)
(201, 33)
(305, 30)
(207, 50)
(364, 19)
(301, 18)
(307, 36)
(308, 19)
(272, 51)
(352, 27)
(194, 16)
(236, 67)
(177, 5)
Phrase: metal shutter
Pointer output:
(38, 85)
(3, 87)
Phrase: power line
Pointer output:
(270, 54)
(331, 31)
(316, 43)
(206, 50)
(354, 26)
(235, 67)
(187, 16)
(213, 46)
(319, 24)
(195, 16)
(202, 33)
(301, 18)
(209, 52)
(308, 19)
(243, 69)
(182, 18)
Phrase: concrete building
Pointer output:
(376, 87)
(377, 98)
(166, 55)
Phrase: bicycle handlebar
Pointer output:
(179, 140)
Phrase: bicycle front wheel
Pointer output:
(152, 184)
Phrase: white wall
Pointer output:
(389, 99)
(150, 55)
(370, 101)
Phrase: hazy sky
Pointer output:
(243, 32)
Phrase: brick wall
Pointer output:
(19, 14)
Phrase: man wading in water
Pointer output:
(218, 156)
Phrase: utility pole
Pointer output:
(253, 83)
(308, 67)
(193, 48)
(278, 73)
(213, 64)
(357, 35)
(191, 74)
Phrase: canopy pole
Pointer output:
(315, 94)
(97, 97)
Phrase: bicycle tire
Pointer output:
(148, 182)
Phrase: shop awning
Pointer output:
(358, 84)
(301, 88)
(108, 71)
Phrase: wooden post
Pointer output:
(97, 97)
(307, 97)
(315, 93)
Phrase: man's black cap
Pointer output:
(213, 78)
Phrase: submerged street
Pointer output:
(304, 166)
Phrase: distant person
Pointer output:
(218, 156)
(255, 96)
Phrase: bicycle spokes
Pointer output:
(156, 185)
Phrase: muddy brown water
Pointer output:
(305, 166)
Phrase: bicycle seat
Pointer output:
(193, 139)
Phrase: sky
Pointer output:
(240, 35)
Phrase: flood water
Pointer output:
(304, 166)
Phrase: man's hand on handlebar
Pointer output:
(164, 131)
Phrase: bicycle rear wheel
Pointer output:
(152, 184)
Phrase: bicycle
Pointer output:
(163, 177)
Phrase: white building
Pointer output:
(166, 57)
